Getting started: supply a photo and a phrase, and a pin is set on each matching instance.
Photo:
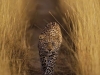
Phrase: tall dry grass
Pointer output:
(79, 51)
(13, 24)
(88, 39)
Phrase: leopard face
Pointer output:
(50, 39)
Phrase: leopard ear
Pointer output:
(41, 36)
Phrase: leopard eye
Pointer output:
(53, 43)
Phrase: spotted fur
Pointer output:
(49, 43)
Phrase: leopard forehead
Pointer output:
(52, 30)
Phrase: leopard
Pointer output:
(49, 44)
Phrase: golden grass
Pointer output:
(84, 16)
(89, 37)
(87, 19)
(13, 25)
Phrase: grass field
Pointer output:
(79, 53)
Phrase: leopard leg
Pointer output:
(51, 63)
(43, 61)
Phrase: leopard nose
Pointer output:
(49, 50)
